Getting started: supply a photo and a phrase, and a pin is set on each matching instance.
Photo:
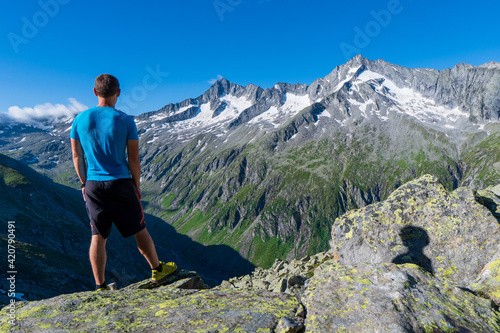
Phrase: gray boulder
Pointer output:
(392, 298)
(449, 234)
(488, 282)
(490, 197)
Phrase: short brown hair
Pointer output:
(106, 85)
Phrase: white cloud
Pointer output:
(42, 113)
(219, 77)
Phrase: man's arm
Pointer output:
(79, 162)
(134, 162)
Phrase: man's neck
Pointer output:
(106, 102)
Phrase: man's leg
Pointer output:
(97, 254)
(147, 247)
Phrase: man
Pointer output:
(105, 137)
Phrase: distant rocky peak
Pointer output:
(356, 61)
(491, 65)
(220, 89)
(295, 89)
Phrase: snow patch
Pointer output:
(325, 114)
(268, 116)
(235, 105)
(361, 106)
(349, 76)
(292, 106)
(353, 70)
(207, 120)
(152, 140)
(296, 103)
(205, 146)
(481, 127)
(413, 103)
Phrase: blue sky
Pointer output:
(165, 51)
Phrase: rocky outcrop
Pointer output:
(392, 298)
(449, 234)
(166, 309)
(413, 263)
(283, 276)
(488, 282)
(490, 198)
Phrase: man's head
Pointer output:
(106, 86)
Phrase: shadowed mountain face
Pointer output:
(52, 236)
(267, 171)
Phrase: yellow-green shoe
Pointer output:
(105, 288)
(168, 269)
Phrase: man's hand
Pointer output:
(83, 193)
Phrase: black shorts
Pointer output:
(114, 201)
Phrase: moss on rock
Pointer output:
(394, 298)
(165, 310)
(488, 282)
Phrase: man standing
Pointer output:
(105, 137)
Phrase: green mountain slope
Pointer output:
(50, 232)
(276, 199)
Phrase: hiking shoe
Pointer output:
(168, 269)
(105, 288)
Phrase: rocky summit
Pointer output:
(424, 260)
(449, 234)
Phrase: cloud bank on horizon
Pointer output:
(42, 113)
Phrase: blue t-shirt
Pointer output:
(103, 133)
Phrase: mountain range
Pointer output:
(267, 171)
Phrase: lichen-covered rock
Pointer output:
(490, 197)
(158, 310)
(182, 279)
(392, 298)
(488, 282)
(449, 234)
(290, 325)
(283, 276)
